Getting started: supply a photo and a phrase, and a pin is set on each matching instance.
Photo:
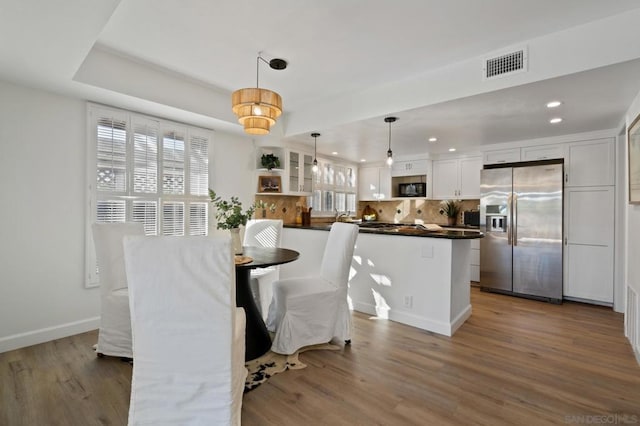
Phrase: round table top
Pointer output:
(267, 256)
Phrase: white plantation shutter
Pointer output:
(198, 221)
(147, 170)
(334, 188)
(173, 218)
(145, 156)
(111, 134)
(147, 213)
(173, 162)
(111, 211)
(199, 165)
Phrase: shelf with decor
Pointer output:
(270, 159)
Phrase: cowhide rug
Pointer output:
(271, 363)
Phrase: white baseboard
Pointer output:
(632, 321)
(460, 319)
(440, 327)
(21, 340)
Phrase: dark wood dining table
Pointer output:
(257, 339)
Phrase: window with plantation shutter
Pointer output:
(148, 170)
(334, 189)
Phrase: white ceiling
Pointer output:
(351, 62)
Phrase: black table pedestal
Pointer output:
(257, 339)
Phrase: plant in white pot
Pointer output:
(450, 208)
(229, 215)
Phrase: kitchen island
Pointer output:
(400, 272)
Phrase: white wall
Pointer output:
(632, 243)
(42, 181)
(42, 176)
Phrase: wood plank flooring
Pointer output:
(515, 361)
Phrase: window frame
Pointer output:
(192, 136)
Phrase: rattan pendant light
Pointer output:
(257, 109)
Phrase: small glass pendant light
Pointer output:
(314, 169)
(389, 152)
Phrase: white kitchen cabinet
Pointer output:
(299, 174)
(502, 156)
(374, 183)
(589, 226)
(590, 163)
(542, 152)
(409, 167)
(457, 178)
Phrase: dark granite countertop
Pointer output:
(411, 230)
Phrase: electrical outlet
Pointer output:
(408, 301)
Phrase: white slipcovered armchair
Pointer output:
(188, 335)
(312, 310)
(263, 233)
(114, 335)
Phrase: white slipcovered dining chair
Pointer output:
(263, 233)
(312, 310)
(114, 335)
(188, 334)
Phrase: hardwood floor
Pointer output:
(515, 361)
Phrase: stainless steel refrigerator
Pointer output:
(521, 216)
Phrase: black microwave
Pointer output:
(417, 189)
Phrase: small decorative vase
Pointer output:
(235, 240)
(264, 213)
(451, 221)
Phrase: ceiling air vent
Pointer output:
(505, 64)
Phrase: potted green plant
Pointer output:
(229, 215)
(261, 205)
(270, 161)
(450, 208)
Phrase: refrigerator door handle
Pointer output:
(514, 231)
(509, 219)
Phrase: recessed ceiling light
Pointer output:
(451, 149)
(433, 139)
(362, 160)
(554, 104)
(334, 153)
(555, 120)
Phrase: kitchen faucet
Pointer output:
(341, 216)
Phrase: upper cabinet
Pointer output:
(374, 183)
(542, 152)
(457, 178)
(299, 172)
(502, 156)
(409, 168)
(590, 163)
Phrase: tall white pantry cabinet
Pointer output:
(589, 221)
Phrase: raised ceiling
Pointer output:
(350, 64)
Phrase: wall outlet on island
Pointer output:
(408, 301)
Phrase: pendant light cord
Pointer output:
(258, 71)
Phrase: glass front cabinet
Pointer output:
(299, 172)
